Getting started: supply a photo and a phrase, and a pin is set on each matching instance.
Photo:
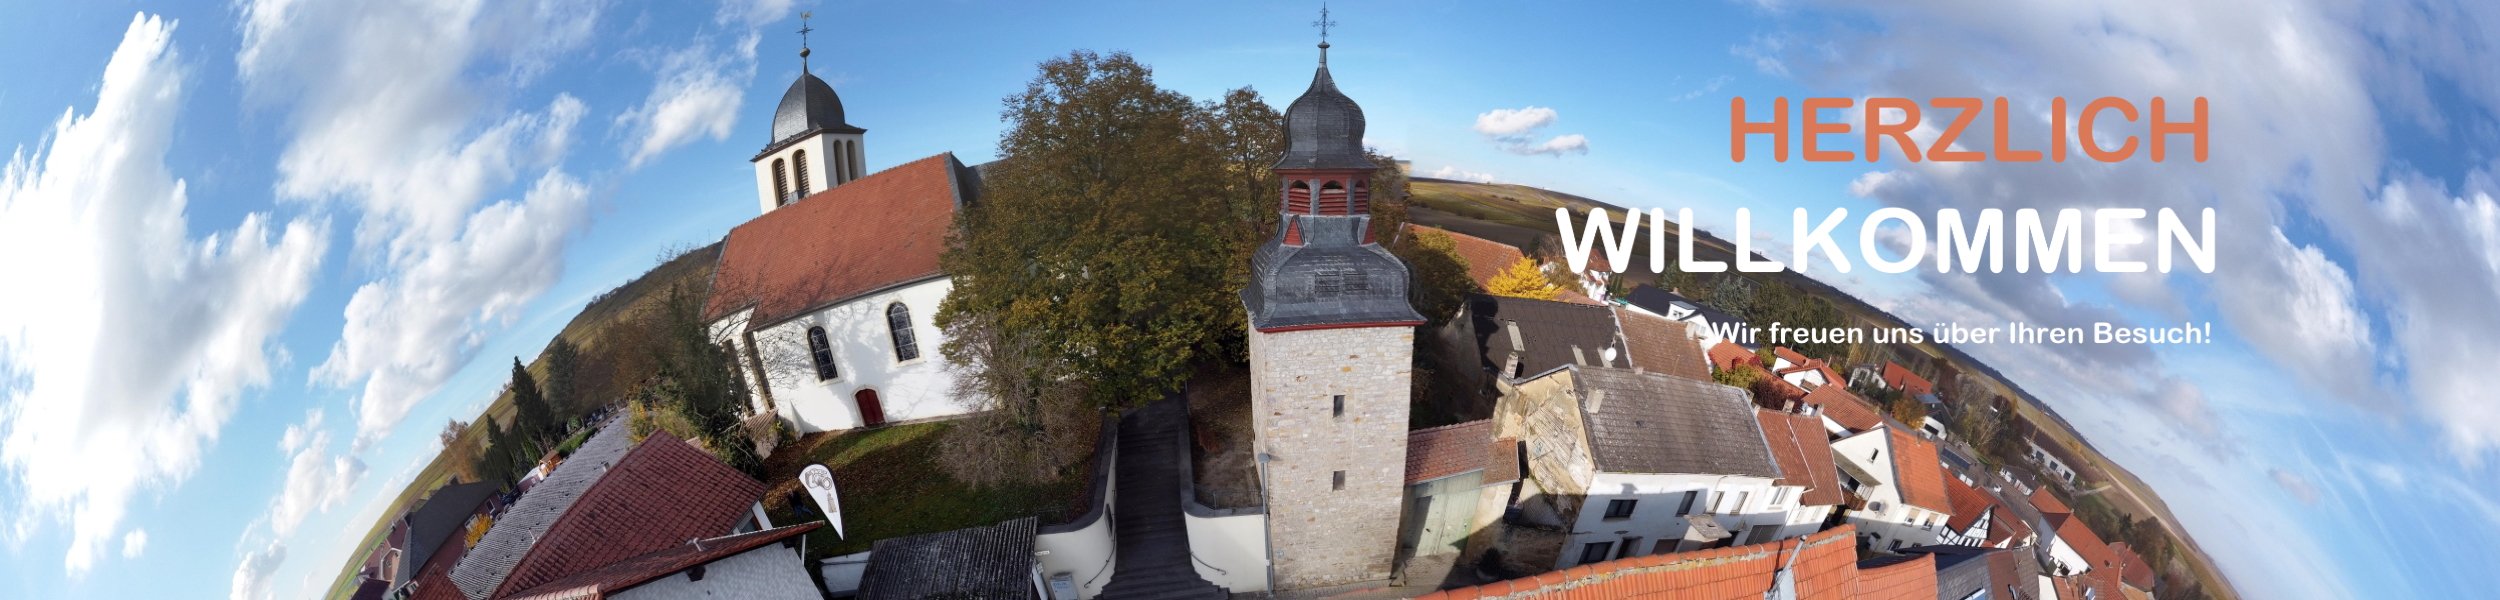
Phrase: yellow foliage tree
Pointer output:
(1522, 280)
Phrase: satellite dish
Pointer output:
(1608, 356)
(819, 483)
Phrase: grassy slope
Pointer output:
(891, 486)
(1515, 214)
(694, 266)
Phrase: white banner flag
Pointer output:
(819, 482)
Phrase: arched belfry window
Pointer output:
(1332, 199)
(821, 351)
(898, 323)
(1298, 197)
(781, 182)
(1362, 204)
(800, 158)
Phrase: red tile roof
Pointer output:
(1846, 408)
(2136, 572)
(1659, 344)
(1898, 376)
(1804, 453)
(1921, 476)
(2048, 504)
(870, 234)
(1501, 461)
(1825, 568)
(1485, 258)
(1447, 450)
(1969, 503)
(2086, 544)
(659, 495)
(1727, 355)
(1774, 392)
(1793, 357)
(1913, 579)
(596, 584)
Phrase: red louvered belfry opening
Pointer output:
(1362, 198)
(1297, 198)
(1332, 199)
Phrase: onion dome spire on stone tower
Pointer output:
(810, 106)
(1322, 269)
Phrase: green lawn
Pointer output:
(892, 486)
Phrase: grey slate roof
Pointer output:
(486, 565)
(1324, 128)
(976, 563)
(810, 106)
(1331, 279)
(1548, 330)
(1657, 423)
(439, 519)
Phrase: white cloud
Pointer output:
(2318, 330)
(1707, 87)
(2294, 484)
(135, 543)
(1454, 174)
(420, 150)
(698, 94)
(753, 12)
(1515, 131)
(315, 480)
(127, 361)
(251, 576)
(1507, 122)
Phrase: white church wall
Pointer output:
(864, 359)
(820, 174)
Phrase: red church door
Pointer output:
(870, 413)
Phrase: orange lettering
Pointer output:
(2083, 129)
(1900, 132)
(2163, 128)
(1811, 128)
(2004, 153)
(1940, 150)
(1738, 128)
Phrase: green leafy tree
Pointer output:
(1116, 234)
(1441, 281)
(698, 378)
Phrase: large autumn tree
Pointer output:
(1115, 234)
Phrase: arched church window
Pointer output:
(781, 183)
(1332, 199)
(822, 351)
(898, 322)
(800, 157)
(859, 161)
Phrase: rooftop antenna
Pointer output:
(1323, 24)
(804, 29)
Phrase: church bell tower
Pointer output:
(1332, 339)
(812, 148)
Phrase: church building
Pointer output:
(1332, 339)
(829, 297)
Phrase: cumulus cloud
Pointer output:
(1515, 131)
(135, 543)
(315, 480)
(698, 94)
(1454, 174)
(420, 150)
(753, 12)
(127, 360)
(251, 577)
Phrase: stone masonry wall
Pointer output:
(1324, 535)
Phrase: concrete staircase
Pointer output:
(1152, 534)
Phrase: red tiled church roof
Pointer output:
(1662, 345)
(870, 234)
(1921, 476)
(1825, 568)
(659, 495)
(1804, 453)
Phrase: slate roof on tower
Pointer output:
(1324, 128)
(874, 233)
(809, 107)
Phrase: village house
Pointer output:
(829, 296)
(1980, 520)
(611, 501)
(757, 565)
(1501, 338)
(1459, 479)
(1971, 573)
(1710, 325)
(1821, 566)
(2073, 548)
(1807, 472)
(1626, 462)
(1901, 483)
(1805, 373)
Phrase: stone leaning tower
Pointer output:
(1332, 340)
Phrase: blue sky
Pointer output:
(280, 243)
